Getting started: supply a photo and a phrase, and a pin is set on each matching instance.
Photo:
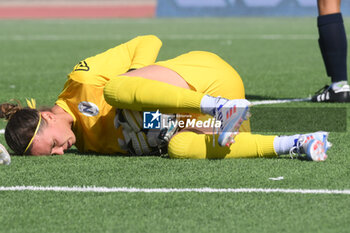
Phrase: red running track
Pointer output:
(41, 12)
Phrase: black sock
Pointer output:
(333, 45)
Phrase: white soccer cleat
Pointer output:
(314, 146)
(231, 114)
(4, 156)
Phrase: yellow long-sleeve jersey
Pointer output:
(82, 96)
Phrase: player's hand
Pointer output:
(139, 141)
(135, 140)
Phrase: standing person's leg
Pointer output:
(333, 46)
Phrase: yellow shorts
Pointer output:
(207, 73)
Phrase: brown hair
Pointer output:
(21, 126)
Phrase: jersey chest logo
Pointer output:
(82, 66)
(88, 108)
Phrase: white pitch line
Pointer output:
(280, 101)
(172, 190)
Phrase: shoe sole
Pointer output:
(325, 141)
(316, 151)
(226, 138)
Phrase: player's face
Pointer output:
(55, 138)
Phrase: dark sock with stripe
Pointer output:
(333, 45)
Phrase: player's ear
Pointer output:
(48, 116)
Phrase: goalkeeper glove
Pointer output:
(139, 141)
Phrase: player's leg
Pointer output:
(333, 46)
(247, 145)
(200, 146)
(204, 72)
(142, 94)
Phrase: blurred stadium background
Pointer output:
(158, 8)
(11, 9)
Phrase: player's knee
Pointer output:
(326, 7)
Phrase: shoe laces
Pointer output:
(323, 90)
(216, 117)
(295, 151)
(214, 129)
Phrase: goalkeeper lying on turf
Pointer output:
(97, 110)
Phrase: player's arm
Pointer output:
(143, 50)
(136, 53)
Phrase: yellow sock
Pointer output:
(200, 146)
(142, 94)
